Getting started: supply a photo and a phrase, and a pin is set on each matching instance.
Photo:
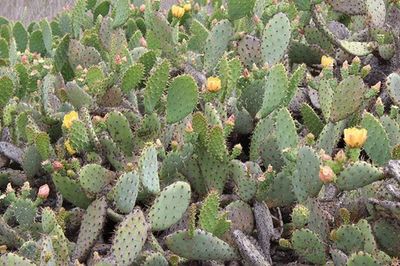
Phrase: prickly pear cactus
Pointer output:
(250, 132)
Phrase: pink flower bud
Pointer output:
(118, 59)
(57, 165)
(230, 120)
(44, 191)
(143, 42)
(326, 174)
(142, 8)
(24, 59)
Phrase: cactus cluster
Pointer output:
(255, 132)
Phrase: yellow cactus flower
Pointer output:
(327, 61)
(355, 137)
(213, 84)
(69, 148)
(177, 11)
(187, 7)
(69, 118)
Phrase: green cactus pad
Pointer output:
(120, 131)
(276, 89)
(275, 39)
(286, 133)
(216, 143)
(148, 170)
(49, 220)
(216, 43)
(77, 96)
(121, 12)
(245, 182)
(349, 239)
(361, 258)
(311, 120)
(279, 190)
(347, 98)
(201, 246)
(156, 85)
(21, 36)
(209, 218)
(78, 136)
(31, 161)
(6, 90)
(78, 17)
(169, 206)
(182, 98)
(238, 9)
(393, 85)
(330, 136)
(61, 54)
(265, 127)
(155, 259)
(377, 145)
(249, 50)
(71, 190)
(91, 227)
(113, 153)
(306, 182)
(131, 234)
(358, 175)
(94, 177)
(126, 191)
(11, 259)
(392, 129)
(78, 54)
(300, 216)
(36, 44)
(308, 245)
(132, 78)
(386, 232)
(199, 36)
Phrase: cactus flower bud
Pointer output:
(142, 8)
(340, 156)
(177, 11)
(377, 87)
(256, 19)
(26, 186)
(70, 173)
(57, 165)
(270, 169)
(327, 61)
(365, 70)
(118, 59)
(187, 7)
(246, 73)
(69, 119)
(24, 59)
(143, 42)
(355, 137)
(231, 120)
(356, 60)
(9, 188)
(189, 127)
(213, 84)
(326, 174)
(197, 7)
(132, 7)
(44, 191)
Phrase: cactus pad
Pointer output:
(169, 206)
